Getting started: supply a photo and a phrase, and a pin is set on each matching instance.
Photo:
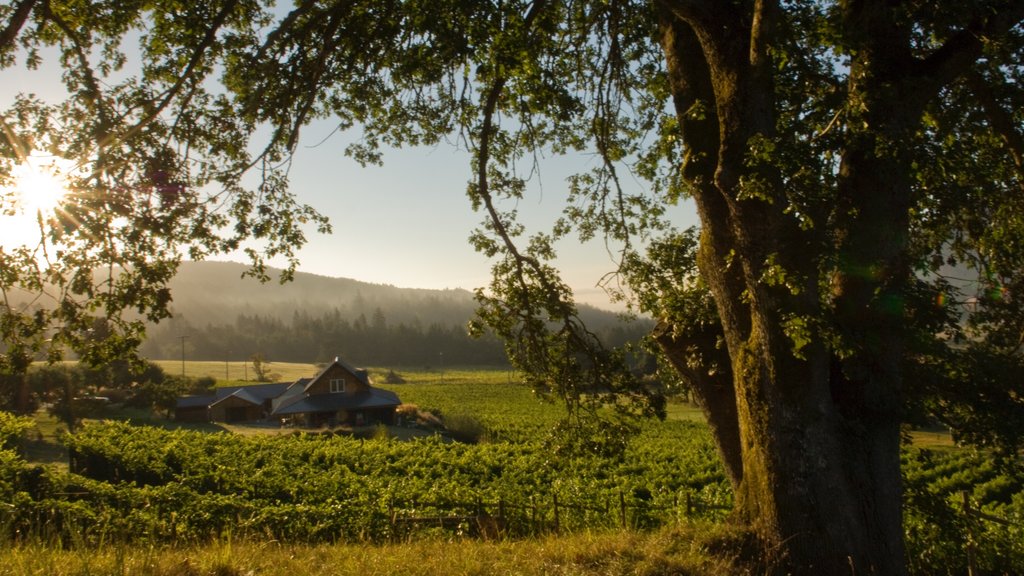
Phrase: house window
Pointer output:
(337, 385)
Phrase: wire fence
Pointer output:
(543, 514)
(970, 511)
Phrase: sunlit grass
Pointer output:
(670, 551)
(236, 373)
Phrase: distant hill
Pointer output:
(223, 315)
(217, 293)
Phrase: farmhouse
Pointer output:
(339, 394)
(229, 404)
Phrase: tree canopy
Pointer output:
(157, 168)
(845, 158)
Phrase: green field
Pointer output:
(214, 498)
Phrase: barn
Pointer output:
(338, 394)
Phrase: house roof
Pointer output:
(373, 398)
(294, 398)
(252, 393)
(241, 394)
(260, 391)
(194, 401)
(361, 374)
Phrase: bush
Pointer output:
(464, 428)
(393, 377)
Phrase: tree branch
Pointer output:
(15, 24)
(961, 50)
(197, 57)
(1001, 121)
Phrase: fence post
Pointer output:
(533, 513)
(970, 532)
(689, 504)
(554, 500)
(391, 515)
(622, 508)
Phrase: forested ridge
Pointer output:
(223, 316)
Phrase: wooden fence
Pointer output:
(971, 512)
(540, 514)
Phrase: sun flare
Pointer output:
(36, 188)
(40, 183)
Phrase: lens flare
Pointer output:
(35, 190)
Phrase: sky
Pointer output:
(405, 223)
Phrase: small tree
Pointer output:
(261, 368)
(161, 397)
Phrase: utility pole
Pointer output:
(183, 355)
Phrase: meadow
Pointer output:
(164, 499)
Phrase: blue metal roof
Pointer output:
(261, 391)
(194, 401)
(374, 398)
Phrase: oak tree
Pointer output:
(154, 166)
(843, 157)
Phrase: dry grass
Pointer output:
(668, 552)
(237, 373)
(938, 439)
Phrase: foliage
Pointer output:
(162, 395)
(393, 377)
(343, 487)
(841, 157)
(157, 166)
(261, 368)
(12, 428)
(73, 391)
(143, 485)
(464, 428)
(937, 528)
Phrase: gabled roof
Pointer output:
(294, 398)
(194, 401)
(252, 393)
(241, 394)
(294, 393)
(373, 398)
(362, 375)
(260, 391)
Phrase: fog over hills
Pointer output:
(217, 293)
(223, 314)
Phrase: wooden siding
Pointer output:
(235, 410)
(336, 372)
(192, 414)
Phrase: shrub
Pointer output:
(465, 428)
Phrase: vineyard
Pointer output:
(148, 484)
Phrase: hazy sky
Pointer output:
(407, 222)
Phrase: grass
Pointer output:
(677, 550)
(236, 373)
(938, 439)
(42, 446)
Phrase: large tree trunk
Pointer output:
(817, 470)
(808, 423)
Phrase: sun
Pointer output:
(36, 188)
(40, 183)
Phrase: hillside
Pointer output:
(223, 315)
(217, 293)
